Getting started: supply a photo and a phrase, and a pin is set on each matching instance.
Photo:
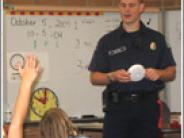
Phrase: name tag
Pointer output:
(117, 51)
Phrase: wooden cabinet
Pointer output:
(99, 135)
(31, 132)
(92, 134)
(97, 132)
(100, 2)
(93, 130)
(153, 3)
(169, 4)
(73, 2)
(47, 2)
(20, 2)
(93, 3)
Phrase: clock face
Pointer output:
(15, 60)
(42, 100)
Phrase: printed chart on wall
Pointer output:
(64, 43)
(15, 58)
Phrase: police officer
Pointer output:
(131, 107)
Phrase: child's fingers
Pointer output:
(19, 69)
(33, 61)
(27, 59)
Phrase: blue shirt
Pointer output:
(120, 50)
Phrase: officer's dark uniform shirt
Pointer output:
(120, 50)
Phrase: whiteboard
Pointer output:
(64, 46)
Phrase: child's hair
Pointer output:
(56, 124)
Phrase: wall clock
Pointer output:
(42, 100)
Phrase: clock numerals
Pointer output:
(42, 100)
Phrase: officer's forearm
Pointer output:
(98, 78)
(168, 74)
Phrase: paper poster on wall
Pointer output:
(14, 58)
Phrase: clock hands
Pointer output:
(45, 95)
(41, 100)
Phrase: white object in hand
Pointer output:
(137, 72)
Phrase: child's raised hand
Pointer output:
(31, 69)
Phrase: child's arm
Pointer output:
(28, 75)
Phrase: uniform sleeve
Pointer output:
(99, 60)
(166, 58)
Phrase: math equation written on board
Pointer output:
(60, 36)
(79, 34)
(54, 32)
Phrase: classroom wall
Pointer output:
(173, 37)
(71, 81)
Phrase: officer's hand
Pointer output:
(152, 74)
(121, 76)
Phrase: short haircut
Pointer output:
(141, 1)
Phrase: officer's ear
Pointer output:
(142, 7)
